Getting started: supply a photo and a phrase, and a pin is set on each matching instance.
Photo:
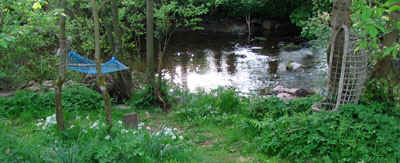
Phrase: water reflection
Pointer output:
(207, 61)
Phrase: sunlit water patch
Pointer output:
(208, 62)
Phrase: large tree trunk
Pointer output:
(384, 68)
(341, 16)
(62, 68)
(100, 76)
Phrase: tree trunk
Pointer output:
(100, 77)
(158, 90)
(384, 68)
(62, 69)
(340, 16)
(150, 42)
(248, 21)
(122, 85)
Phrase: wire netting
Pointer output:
(347, 72)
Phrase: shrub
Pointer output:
(204, 105)
(227, 100)
(77, 98)
(268, 108)
(355, 133)
(146, 98)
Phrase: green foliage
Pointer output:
(355, 133)
(88, 141)
(315, 23)
(214, 105)
(271, 8)
(27, 40)
(34, 105)
(227, 101)
(382, 90)
(271, 107)
(371, 23)
(144, 98)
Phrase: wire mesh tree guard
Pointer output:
(347, 73)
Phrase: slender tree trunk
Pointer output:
(100, 76)
(248, 21)
(117, 30)
(159, 92)
(122, 86)
(150, 42)
(62, 69)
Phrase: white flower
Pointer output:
(87, 117)
(120, 122)
(50, 120)
(140, 127)
(107, 137)
(173, 137)
(124, 131)
(148, 128)
(181, 137)
(175, 129)
(72, 126)
(95, 124)
(141, 124)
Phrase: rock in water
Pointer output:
(286, 97)
(302, 93)
(293, 66)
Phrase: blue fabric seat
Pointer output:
(76, 62)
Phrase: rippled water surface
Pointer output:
(207, 61)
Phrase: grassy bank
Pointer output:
(219, 126)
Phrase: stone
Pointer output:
(281, 89)
(293, 66)
(302, 93)
(131, 120)
(285, 97)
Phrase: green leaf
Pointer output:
(394, 8)
(387, 51)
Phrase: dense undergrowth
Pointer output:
(86, 140)
(367, 132)
(31, 105)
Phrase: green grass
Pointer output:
(213, 142)
(219, 126)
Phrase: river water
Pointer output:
(204, 61)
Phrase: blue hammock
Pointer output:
(76, 62)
